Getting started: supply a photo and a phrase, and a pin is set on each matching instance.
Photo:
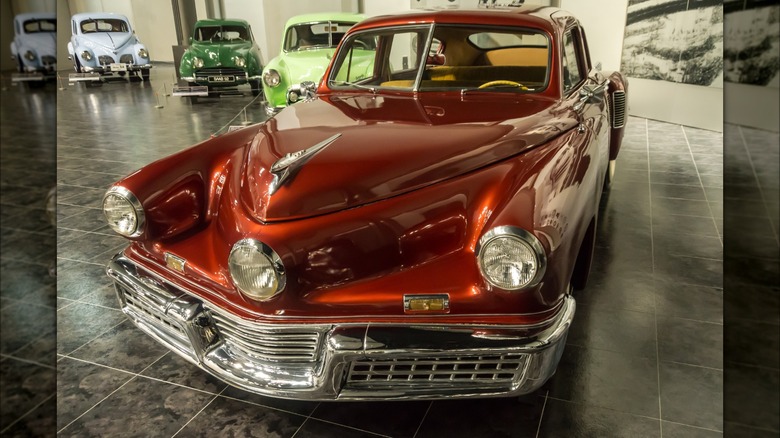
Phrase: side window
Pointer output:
(572, 73)
(403, 52)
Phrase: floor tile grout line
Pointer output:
(41, 336)
(269, 406)
(758, 184)
(752, 365)
(134, 376)
(80, 261)
(87, 232)
(305, 420)
(54, 394)
(750, 426)
(419, 426)
(652, 270)
(99, 335)
(27, 361)
(695, 166)
(541, 415)
(199, 412)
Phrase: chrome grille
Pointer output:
(136, 305)
(268, 343)
(618, 104)
(105, 60)
(48, 60)
(126, 59)
(498, 368)
(226, 71)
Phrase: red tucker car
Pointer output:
(412, 231)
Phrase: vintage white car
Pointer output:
(34, 47)
(105, 43)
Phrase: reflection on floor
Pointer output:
(643, 357)
(27, 239)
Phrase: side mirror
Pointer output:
(590, 93)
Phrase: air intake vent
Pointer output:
(618, 104)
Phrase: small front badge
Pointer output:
(174, 262)
(438, 303)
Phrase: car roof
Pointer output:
(536, 16)
(325, 16)
(33, 15)
(220, 22)
(88, 15)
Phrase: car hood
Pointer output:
(307, 65)
(382, 146)
(220, 54)
(110, 40)
(44, 43)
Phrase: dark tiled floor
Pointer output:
(635, 364)
(752, 289)
(27, 238)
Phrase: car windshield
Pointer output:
(315, 35)
(219, 34)
(91, 25)
(444, 57)
(40, 25)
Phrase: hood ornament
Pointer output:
(285, 168)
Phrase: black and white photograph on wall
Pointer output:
(751, 52)
(674, 40)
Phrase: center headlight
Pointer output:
(272, 78)
(256, 269)
(511, 258)
(240, 61)
(123, 212)
(197, 62)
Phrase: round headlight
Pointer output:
(123, 212)
(142, 53)
(86, 56)
(197, 62)
(240, 61)
(511, 258)
(256, 269)
(29, 55)
(292, 97)
(272, 78)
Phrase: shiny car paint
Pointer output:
(41, 44)
(397, 204)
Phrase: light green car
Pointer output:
(307, 47)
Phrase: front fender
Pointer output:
(277, 96)
(138, 60)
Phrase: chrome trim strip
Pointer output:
(184, 324)
(285, 168)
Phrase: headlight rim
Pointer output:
(198, 62)
(30, 56)
(270, 72)
(240, 61)
(143, 53)
(273, 258)
(140, 217)
(525, 237)
(86, 55)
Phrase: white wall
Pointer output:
(752, 105)
(691, 105)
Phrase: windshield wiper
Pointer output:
(352, 84)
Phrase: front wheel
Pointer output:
(256, 87)
(76, 65)
(145, 75)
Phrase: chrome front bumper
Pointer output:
(107, 69)
(360, 361)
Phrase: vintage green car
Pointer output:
(308, 44)
(222, 54)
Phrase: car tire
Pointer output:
(77, 65)
(610, 176)
(256, 87)
(145, 75)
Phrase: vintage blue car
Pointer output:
(105, 43)
(34, 47)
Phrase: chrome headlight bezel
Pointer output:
(515, 235)
(269, 256)
(134, 207)
(86, 56)
(29, 55)
(197, 62)
(272, 78)
(143, 53)
(240, 61)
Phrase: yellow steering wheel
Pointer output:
(512, 83)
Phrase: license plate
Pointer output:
(221, 79)
(118, 67)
